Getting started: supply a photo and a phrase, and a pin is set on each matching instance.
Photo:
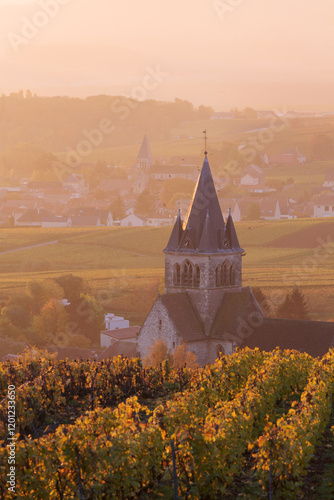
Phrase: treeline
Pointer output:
(61, 311)
(56, 123)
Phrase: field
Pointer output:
(127, 264)
(252, 425)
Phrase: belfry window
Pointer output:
(187, 274)
(225, 274)
(197, 277)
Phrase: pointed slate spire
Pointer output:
(205, 201)
(231, 241)
(145, 152)
(175, 237)
(209, 240)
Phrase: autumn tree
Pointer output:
(49, 326)
(182, 356)
(158, 352)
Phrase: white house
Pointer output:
(252, 176)
(324, 206)
(113, 322)
(156, 221)
(133, 220)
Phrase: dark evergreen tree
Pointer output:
(294, 306)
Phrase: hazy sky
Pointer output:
(223, 53)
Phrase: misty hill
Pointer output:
(56, 123)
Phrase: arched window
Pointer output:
(177, 275)
(219, 275)
(226, 273)
(220, 351)
(197, 276)
(187, 274)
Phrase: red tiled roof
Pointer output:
(123, 333)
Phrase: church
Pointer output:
(205, 304)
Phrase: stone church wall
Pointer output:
(157, 325)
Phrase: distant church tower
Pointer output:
(203, 255)
(144, 163)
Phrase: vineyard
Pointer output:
(249, 426)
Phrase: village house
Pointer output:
(109, 337)
(324, 206)
(205, 304)
(252, 176)
(133, 220)
(288, 157)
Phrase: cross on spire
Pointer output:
(205, 142)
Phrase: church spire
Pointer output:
(231, 241)
(175, 237)
(145, 152)
(204, 205)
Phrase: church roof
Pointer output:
(204, 230)
(184, 316)
(233, 313)
(313, 337)
(145, 150)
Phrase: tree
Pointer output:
(50, 325)
(294, 306)
(145, 204)
(117, 208)
(253, 211)
(158, 352)
(40, 292)
(88, 317)
(181, 356)
(73, 287)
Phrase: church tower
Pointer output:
(203, 255)
(144, 163)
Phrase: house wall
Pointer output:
(320, 210)
(249, 180)
(132, 221)
(54, 224)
